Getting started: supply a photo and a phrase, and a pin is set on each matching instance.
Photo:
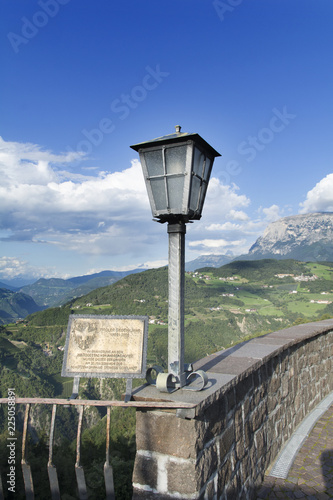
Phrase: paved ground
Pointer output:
(311, 475)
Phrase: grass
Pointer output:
(67, 385)
(320, 270)
(271, 311)
(306, 308)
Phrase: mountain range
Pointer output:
(17, 303)
(307, 238)
(56, 291)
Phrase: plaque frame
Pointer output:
(68, 372)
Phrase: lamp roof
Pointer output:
(178, 136)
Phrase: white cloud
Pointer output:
(42, 203)
(238, 215)
(320, 198)
(226, 226)
(12, 267)
(271, 213)
(215, 243)
(223, 201)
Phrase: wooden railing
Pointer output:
(79, 471)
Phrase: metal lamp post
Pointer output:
(176, 170)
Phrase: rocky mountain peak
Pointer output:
(302, 237)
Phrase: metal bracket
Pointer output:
(75, 390)
(168, 382)
(128, 394)
(149, 374)
(194, 375)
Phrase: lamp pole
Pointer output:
(176, 277)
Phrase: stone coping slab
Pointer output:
(234, 364)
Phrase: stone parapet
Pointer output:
(258, 393)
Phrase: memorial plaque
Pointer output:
(106, 346)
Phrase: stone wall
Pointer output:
(258, 393)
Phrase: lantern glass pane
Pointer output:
(208, 168)
(202, 196)
(175, 192)
(175, 159)
(159, 194)
(198, 159)
(195, 193)
(154, 162)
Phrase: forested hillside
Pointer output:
(15, 305)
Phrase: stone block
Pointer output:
(234, 488)
(272, 402)
(224, 475)
(145, 471)
(210, 490)
(259, 395)
(261, 442)
(231, 399)
(243, 388)
(248, 434)
(284, 387)
(273, 367)
(248, 466)
(241, 449)
(259, 416)
(215, 418)
(183, 478)
(165, 433)
(274, 385)
(226, 442)
(208, 464)
(246, 405)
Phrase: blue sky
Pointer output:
(82, 81)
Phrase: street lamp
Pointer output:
(176, 170)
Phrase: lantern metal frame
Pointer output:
(194, 175)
